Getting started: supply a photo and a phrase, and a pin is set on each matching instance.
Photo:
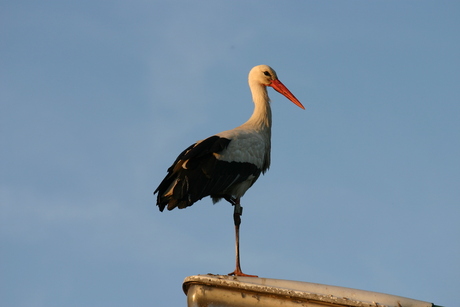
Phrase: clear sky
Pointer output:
(99, 97)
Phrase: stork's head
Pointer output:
(262, 74)
(265, 75)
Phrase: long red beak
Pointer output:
(280, 88)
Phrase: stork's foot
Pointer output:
(238, 272)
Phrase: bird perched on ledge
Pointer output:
(228, 163)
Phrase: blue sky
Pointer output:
(98, 98)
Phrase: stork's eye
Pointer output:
(267, 74)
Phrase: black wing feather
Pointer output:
(202, 175)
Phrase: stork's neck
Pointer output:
(261, 119)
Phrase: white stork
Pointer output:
(226, 164)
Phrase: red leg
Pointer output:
(238, 211)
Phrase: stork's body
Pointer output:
(227, 164)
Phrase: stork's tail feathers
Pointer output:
(173, 193)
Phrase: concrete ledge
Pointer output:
(226, 291)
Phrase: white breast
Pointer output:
(248, 146)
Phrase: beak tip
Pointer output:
(301, 106)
